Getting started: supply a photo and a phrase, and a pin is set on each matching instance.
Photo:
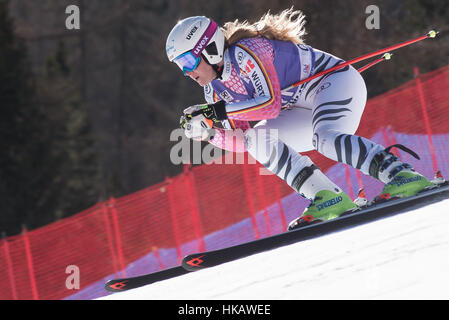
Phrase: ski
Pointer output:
(122, 284)
(373, 211)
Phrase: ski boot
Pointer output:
(400, 179)
(329, 201)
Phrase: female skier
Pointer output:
(244, 68)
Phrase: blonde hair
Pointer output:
(287, 26)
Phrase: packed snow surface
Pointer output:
(401, 257)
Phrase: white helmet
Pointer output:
(197, 35)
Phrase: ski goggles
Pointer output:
(187, 62)
(190, 60)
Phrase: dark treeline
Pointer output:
(87, 114)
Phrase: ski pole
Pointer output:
(430, 34)
(386, 56)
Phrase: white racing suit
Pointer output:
(321, 114)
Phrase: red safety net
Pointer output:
(106, 238)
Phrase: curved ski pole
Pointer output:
(386, 56)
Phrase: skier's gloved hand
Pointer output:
(212, 111)
(197, 127)
(182, 122)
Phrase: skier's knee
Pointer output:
(320, 135)
(260, 136)
(249, 139)
(325, 135)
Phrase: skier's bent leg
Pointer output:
(336, 115)
(299, 172)
(346, 148)
(372, 159)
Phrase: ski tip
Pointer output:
(193, 262)
(117, 285)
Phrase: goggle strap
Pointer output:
(204, 40)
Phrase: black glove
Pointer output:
(213, 111)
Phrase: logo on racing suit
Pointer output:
(257, 83)
(240, 56)
(249, 66)
(207, 89)
(322, 87)
(306, 68)
(226, 96)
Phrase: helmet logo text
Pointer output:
(189, 36)
(200, 45)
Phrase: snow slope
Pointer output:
(401, 257)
